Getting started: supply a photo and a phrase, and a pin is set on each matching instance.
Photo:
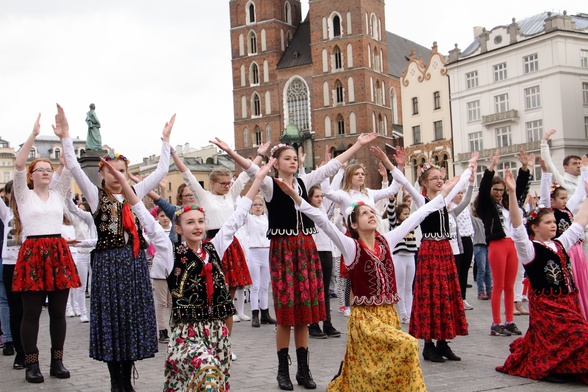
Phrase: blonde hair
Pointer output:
(347, 177)
(219, 172)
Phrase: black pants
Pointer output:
(32, 305)
(15, 307)
(463, 262)
(327, 266)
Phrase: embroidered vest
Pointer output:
(283, 218)
(563, 220)
(550, 272)
(436, 225)
(373, 281)
(109, 223)
(188, 287)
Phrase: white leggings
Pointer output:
(260, 276)
(518, 285)
(404, 268)
(78, 295)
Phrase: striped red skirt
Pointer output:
(297, 280)
(45, 264)
(437, 307)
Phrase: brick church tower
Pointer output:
(326, 76)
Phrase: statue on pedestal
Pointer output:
(94, 140)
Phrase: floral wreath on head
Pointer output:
(353, 206)
(183, 209)
(535, 213)
(554, 186)
(111, 157)
(276, 148)
(426, 167)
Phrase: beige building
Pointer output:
(7, 156)
(426, 113)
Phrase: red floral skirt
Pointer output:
(437, 307)
(234, 265)
(297, 280)
(556, 341)
(45, 264)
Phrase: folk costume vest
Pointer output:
(436, 225)
(283, 218)
(550, 273)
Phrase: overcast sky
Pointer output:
(140, 61)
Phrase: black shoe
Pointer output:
(512, 328)
(469, 286)
(283, 377)
(330, 330)
(8, 349)
(555, 378)
(303, 375)
(163, 337)
(499, 330)
(332, 295)
(114, 368)
(445, 351)
(266, 318)
(430, 353)
(255, 319)
(128, 373)
(33, 373)
(19, 362)
(57, 369)
(314, 331)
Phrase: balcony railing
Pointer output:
(510, 115)
(514, 149)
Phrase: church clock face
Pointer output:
(498, 39)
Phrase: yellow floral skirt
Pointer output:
(379, 356)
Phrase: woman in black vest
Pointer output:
(555, 347)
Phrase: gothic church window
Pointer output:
(250, 12)
(252, 43)
(297, 104)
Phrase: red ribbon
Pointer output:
(207, 272)
(131, 228)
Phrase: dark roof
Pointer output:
(298, 51)
(399, 51)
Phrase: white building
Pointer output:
(516, 81)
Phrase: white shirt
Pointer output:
(526, 250)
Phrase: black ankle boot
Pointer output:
(114, 368)
(430, 353)
(33, 373)
(127, 375)
(57, 369)
(283, 378)
(303, 375)
(444, 350)
(255, 319)
(266, 318)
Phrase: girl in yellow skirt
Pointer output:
(379, 356)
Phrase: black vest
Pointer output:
(109, 223)
(283, 218)
(188, 289)
(436, 225)
(563, 220)
(550, 273)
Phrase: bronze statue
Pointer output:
(94, 140)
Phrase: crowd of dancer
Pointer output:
(399, 255)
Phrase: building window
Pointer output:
(438, 128)
(254, 75)
(534, 130)
(415, 105)
(256, 105)
(585, 93)
(338, 59)
(472, 79)
(503, 138)
(530, 63)
(288, 13)
(501, 168)
(416, 134)
(381, 130)
(340, 125)
(584, 58)
(379, 95)
(252, 43)
(297, 102)
(246, 137)
(57, 153)
(586, 126)
(437, 100)
(499, 72)
(336, 26)
(476, 141)
(501, 103)
(339, 92)
(532, 97)
(473, 111)
(250, 13)
(258, 138)
(32, 154)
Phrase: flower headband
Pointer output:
(352, 207)
(535, 213)
(183, 209)
(276, 148)
(426, 167)
(554, 187)
(110, 157)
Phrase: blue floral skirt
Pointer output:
(122, 326)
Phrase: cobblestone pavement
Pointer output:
(256, 365)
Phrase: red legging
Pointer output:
(503, 265)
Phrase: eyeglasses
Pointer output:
(498, 190)
(43, 170)
(224, 184)
(436, 179)
(257, 205)
(189, 195)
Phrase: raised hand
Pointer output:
(365, 138)
(382, 171)
(474, 159)
(136, 179)
(265, 169)
(378, 153)
(37, 126)
(584, 162)
(327, 153)
(301, 157)
(448, 186)
(288, 189)
(168, 128)
(400, 156)
(220, 144)
(547, 134)
(509, 180)
(263, 148)
(494, 158)
(61, 127)
(544, 167)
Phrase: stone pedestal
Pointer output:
(89, 163)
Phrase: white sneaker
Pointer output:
(466, 305)
(405, 319)
(233, 357)
(236, 319)
(84, 318)
(69, 313)
(244, 317)
(347, 312)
